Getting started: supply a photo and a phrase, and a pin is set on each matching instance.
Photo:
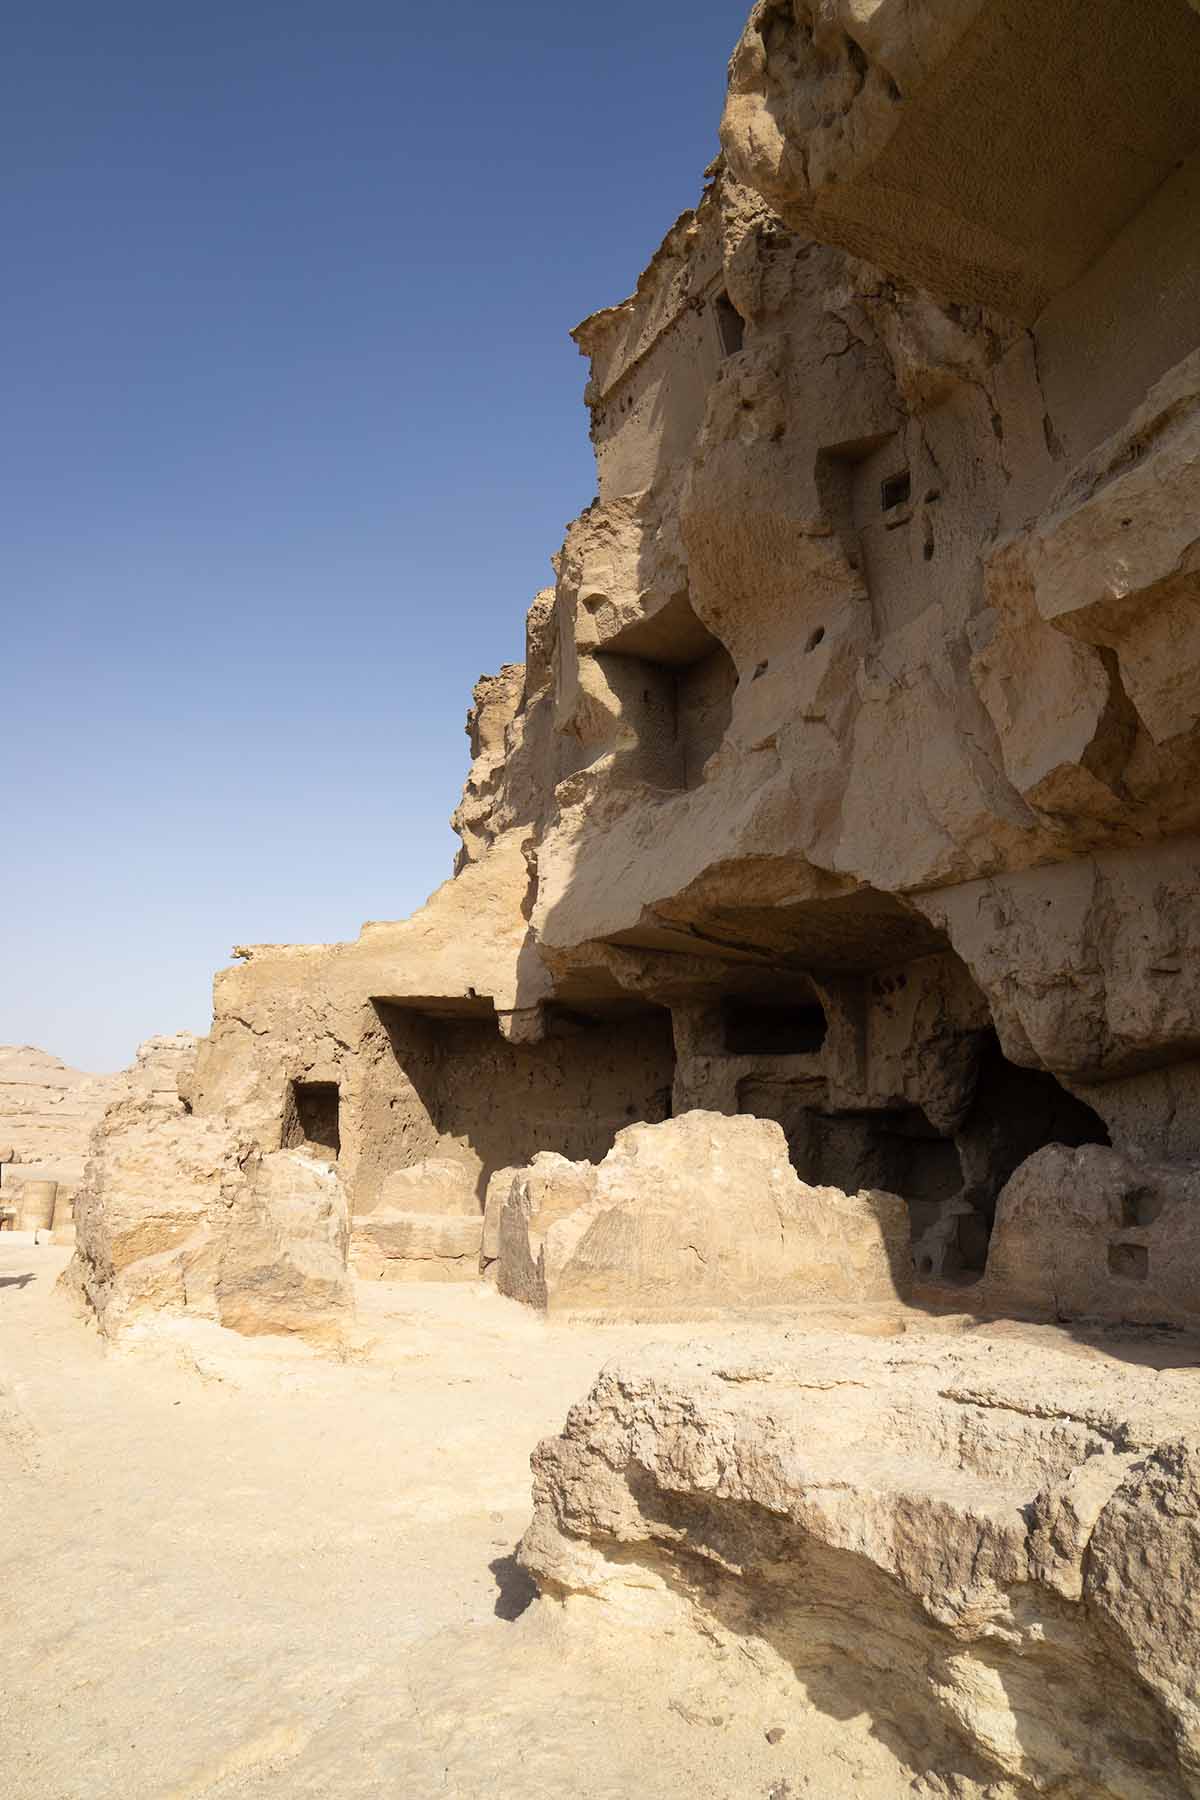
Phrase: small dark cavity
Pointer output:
(1141, 1207)
(731, 327)
(1129, 1262)
(896, 490)
(1053, 441)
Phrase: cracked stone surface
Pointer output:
(969, 1544)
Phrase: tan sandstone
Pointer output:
(851, 777)
(176, 1216)
(986, 1552)
(700, 1213)
(825, 931)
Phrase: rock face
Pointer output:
(177, 1216)
(851, 778)
(1006, 1584)
(827, 915)
(427, 1225)
(1094, 1234)
(838, 108)
(700, 1213)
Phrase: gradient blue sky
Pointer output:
(291, 427)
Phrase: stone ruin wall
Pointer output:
(850, 778)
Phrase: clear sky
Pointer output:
(291, 427)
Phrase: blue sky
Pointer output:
(291, 427)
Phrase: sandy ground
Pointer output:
(235, 1568)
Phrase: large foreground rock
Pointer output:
(698, 1212)
(177, 1216)
(992, 1551)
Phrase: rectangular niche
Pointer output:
(731, 327)
(764, 1028)
(312, 1119)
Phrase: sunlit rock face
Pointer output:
(964, 1547)
(851, 779)
(697, 1214)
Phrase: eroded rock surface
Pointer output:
(49, 1111)
(177, 1216)
(991, 1551)
(1092, 1233)
(693, 1215)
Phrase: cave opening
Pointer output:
(731, 327)
(312, 1119)
(1015, 1112)
(950, 1180)
(446, 1083)
(686, 702)
(895, 490)
(753, 1027)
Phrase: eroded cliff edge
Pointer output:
(850, 778)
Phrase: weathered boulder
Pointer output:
(427, 1225)
(1093, 1233)
(546, 1210)
(698, 1212)
(48, 1110)
(991, 1551)
(177, 1216)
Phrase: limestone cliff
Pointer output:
(852, 777)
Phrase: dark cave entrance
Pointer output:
(731, 327)
(1015, 1111)
(312, 1119)
(753, 1027)
(951, 1182)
